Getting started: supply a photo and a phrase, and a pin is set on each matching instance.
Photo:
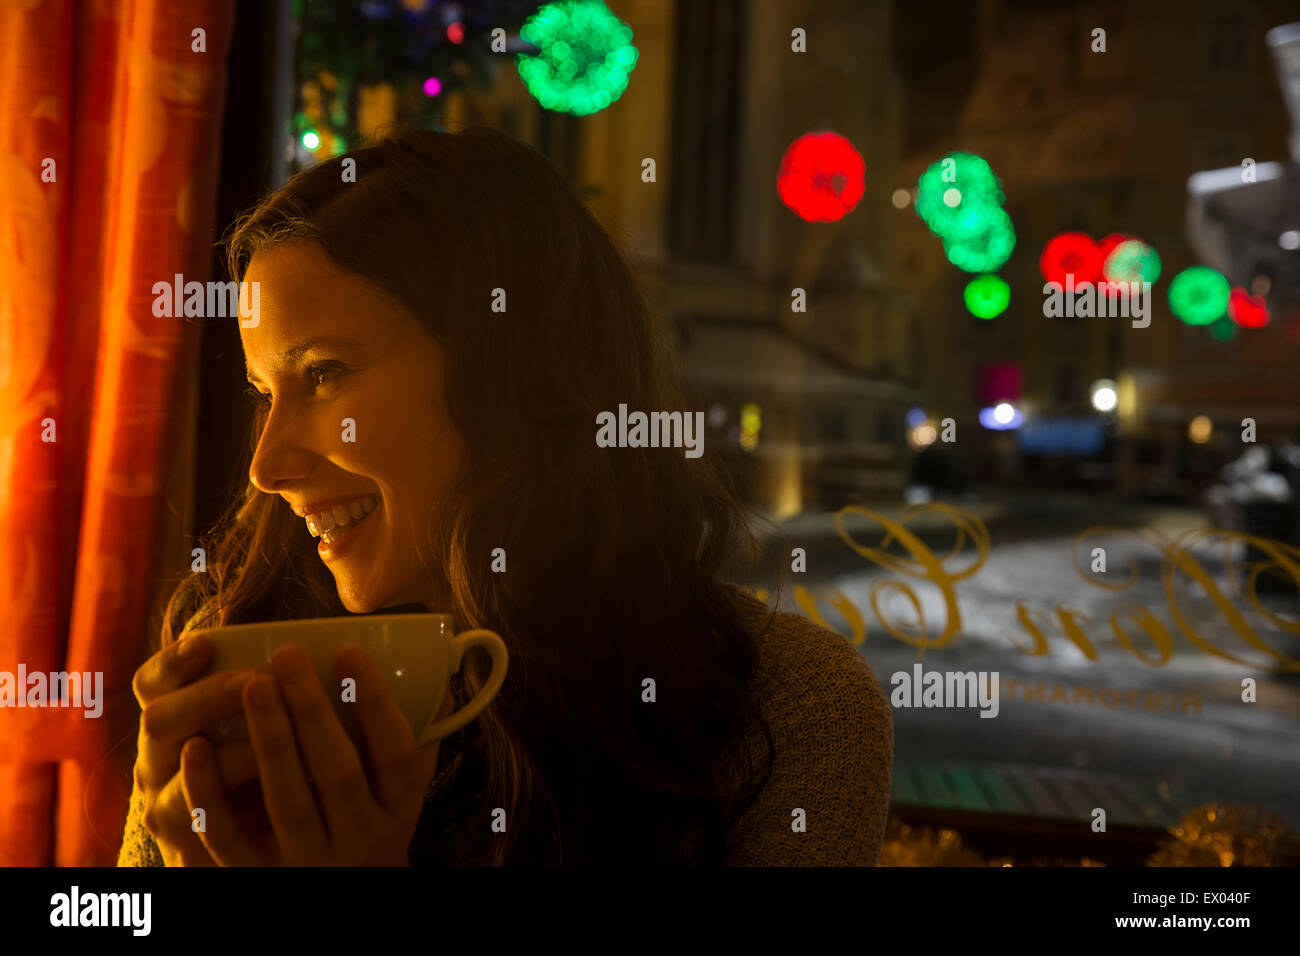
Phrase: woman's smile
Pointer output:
(333, 522)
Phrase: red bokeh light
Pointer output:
(822, 177)
(1073, 253)
(456, 32)
(1248, 311)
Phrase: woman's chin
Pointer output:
(357, 603)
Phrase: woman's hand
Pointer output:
(173, 707)
(341, 818)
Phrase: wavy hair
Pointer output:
(615, 555)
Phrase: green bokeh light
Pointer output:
(586, 54)
(1198, 295)
(982, 245)
(1223, 329)
(987, 296)
(961, 202)
(1132, 261)
(970, 178)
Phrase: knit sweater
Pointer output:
(831, 728)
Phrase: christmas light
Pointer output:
(1131, 260)
(960, 199)
(958, 183)
(1198, 295)
(432, 86)
(987, 296)
(1071, 253)
(822, 177)
(1248, 311)
(586, 54)
(310, 139)
(983, 246)
(456, 32)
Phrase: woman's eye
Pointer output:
(321, 372)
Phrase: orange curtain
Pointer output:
(110, 121)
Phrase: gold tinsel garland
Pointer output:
(1208, 835)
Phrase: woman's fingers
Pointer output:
(332, 760)
(175, 665)
(289, 801)
(397, 768)
(221, 836)
(169, 822)
(182, 713)
(237, 764)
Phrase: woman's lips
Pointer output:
(338, 541)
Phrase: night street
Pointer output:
(1180, 727)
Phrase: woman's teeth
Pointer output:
(334, 522)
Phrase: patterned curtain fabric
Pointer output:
(110, 121)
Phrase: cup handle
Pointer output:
(492, 643)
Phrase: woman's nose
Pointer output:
(278, 458)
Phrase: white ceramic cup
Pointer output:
(415, 653)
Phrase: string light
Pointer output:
(822, 177)
(1130, 261)
(1198, 295)
(960, 199)
(1071, 254)
(584, 59)
(987, 296)
(1248, 311)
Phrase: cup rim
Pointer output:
(289, 622)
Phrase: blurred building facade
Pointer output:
(1100, 143)
(823, 392)
(1083, 141)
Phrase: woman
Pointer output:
(451, 298)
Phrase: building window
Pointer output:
(707, 104)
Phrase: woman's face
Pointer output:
(357, 420)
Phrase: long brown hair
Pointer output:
(614, 556)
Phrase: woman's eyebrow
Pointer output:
(290, 356)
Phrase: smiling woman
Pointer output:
(412, 446)
(401, 453)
